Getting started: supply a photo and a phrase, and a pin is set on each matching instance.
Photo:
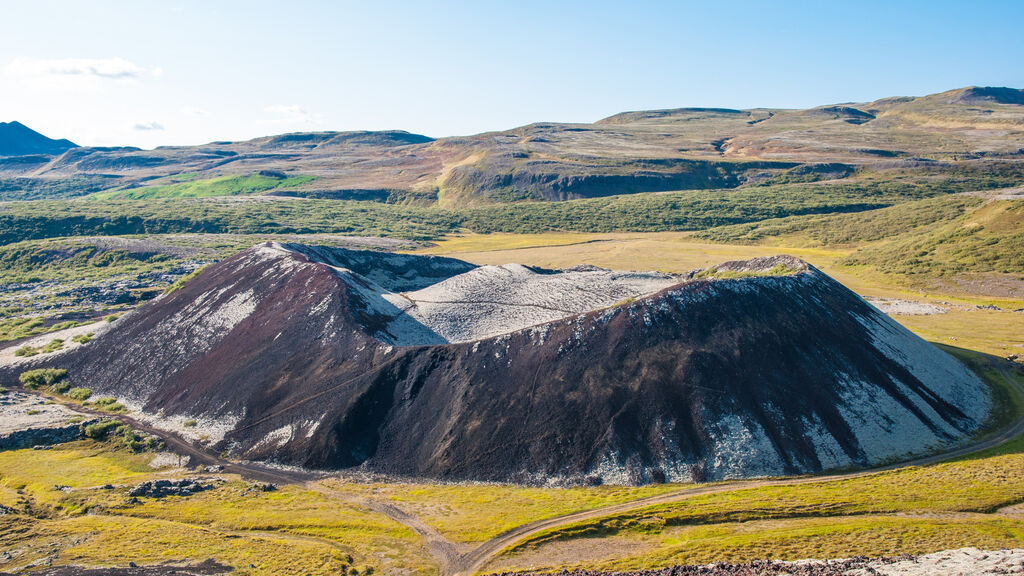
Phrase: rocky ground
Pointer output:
(27, 420)
(960, 562)
(161, 488)
(9, 351)
(207, 568)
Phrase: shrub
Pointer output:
(26, 351)
(80, 394)
(136, 442)
(190, 423)
(53, 346)
(108, 404)
(82, 338)
(100, 430)
(60, 387)
(116, 430)
(42, 377)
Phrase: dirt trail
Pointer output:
(446, 553)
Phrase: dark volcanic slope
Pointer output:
(289, 354)
(16, 139)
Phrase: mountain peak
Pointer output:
(16, 139)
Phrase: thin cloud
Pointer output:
(290, 113)
(106, 68)
(195, 112)
(148, 127)
(292, 109)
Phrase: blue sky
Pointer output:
(147, 73)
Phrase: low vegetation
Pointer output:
(219, 186)
(473, 513)
(72, 259)
(777, 270)
(181, 281)
(79, 394)
(290, 531)
(935, 237)
(42, 378)
(51, 346)
(647, 212)
(100, 430)
(106, 403)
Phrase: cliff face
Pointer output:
(432, 367)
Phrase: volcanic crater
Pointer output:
(434, 367)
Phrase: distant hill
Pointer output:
(16, 139)
(977, 130)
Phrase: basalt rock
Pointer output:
(162, 488)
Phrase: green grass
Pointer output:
(20, 327)
(791, 539)
(476, 512)
(76, 464)
(287, 531)
(219, 186)
(92, 540)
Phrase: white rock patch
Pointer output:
(741, 450)
(493, 300)
(19, 411)
(959, 562)
(906, 307)
(939, 371)
(168, 460)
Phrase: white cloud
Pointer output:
(194, 112)
(112, 68)
(290, 109)
(148, 127)
(290, 114)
